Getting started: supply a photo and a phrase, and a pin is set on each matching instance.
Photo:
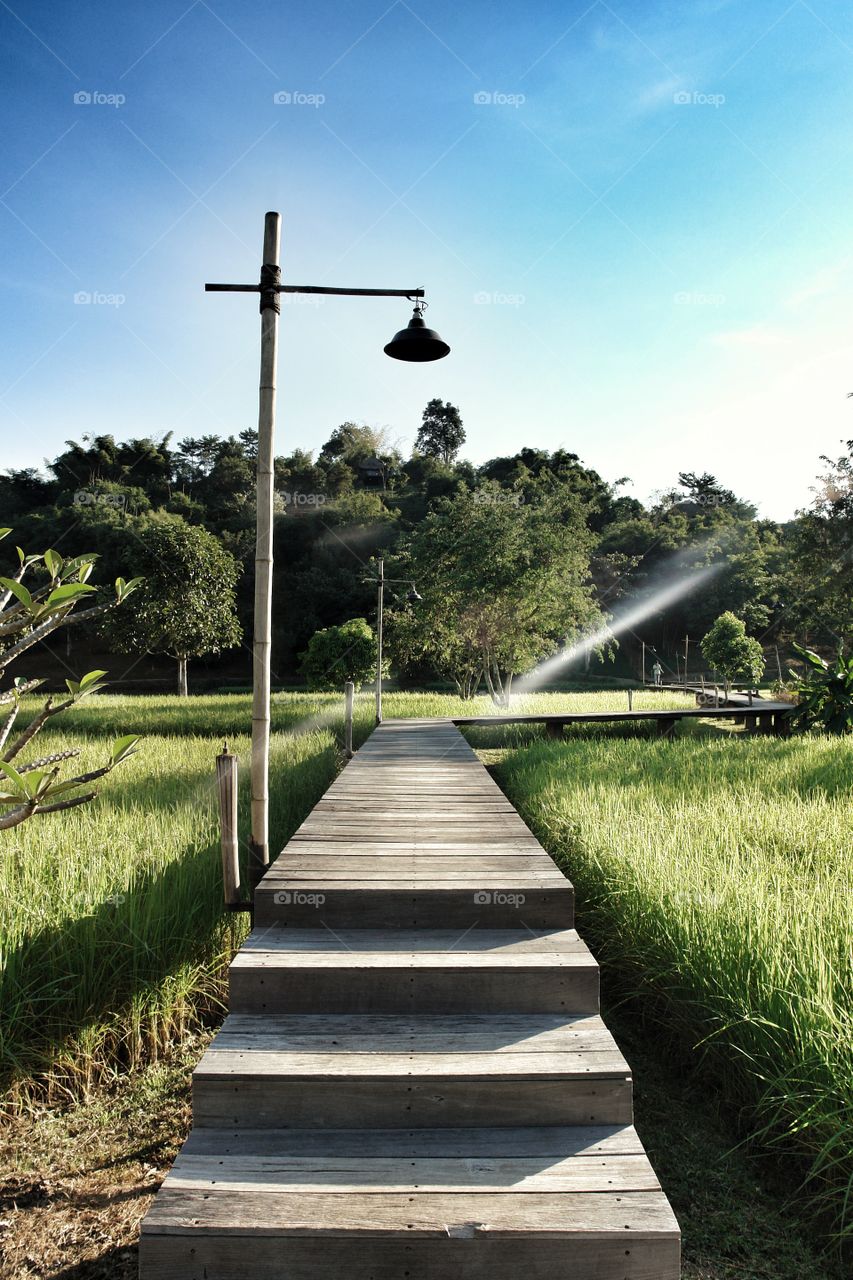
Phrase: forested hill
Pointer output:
(584, 550)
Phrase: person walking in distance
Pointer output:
(657, 672)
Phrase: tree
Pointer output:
(504, 583)
(729, 650)
(337, 654)
(819, 572)
(441, 434)
(28, 616)
(188, 609)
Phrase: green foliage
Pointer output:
(825, 692)
(729, 650)
(337, 654)
(818, 568)
(441, 434)
(27, 617)
(188, 608)
(108, 489)
(504, 583)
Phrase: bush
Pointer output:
(337, 654)
(826, 693)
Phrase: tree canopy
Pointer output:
(357, 497)
(441, 433)
(188, 609)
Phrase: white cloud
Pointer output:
(821, 283)
(758, 335)
(662, 92)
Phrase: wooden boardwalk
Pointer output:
(761, 716)
(414, 1080)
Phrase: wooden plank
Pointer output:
(416, 908)
(500, 942)
(401, 1103)
(178, 1252)
(343, 1175)
(434, 1033)
(226, 1060)
(562, 1215)
(441, 866)
(484, 1032)
(371, 990)
(541, 1143)
(504, 962)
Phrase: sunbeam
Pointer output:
(632, 617)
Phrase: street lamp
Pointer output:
(412, 596)
(415, 343)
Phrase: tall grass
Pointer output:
(113, 935)
(113, 940)
(715, 877)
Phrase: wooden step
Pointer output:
(421, 1071)
(415, 834)
(412, 905)
(490, 1204)
(413, 971)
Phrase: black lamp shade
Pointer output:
(416, 342)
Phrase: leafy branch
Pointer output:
(26, 617)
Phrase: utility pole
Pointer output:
(380, 602)
(686, 652)
(416, 343)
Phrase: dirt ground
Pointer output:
(76, 1182)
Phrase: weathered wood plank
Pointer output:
(561, 1215)
(487, 942)
(359, 1173)
(192, 1255)
(445, 1032)
(541, 1143)
(417, 907)
(401, 1102)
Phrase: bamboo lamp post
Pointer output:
(416, 343)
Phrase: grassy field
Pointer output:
(715, 878)
(112, 935)
(714, 883)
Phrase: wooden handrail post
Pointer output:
(349, 690)
(226, 777)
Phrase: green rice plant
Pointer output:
(715, 878)
(111, 923)
(113, 940)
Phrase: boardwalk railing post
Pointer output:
(349, 689)
(630, 699)
(226, 777)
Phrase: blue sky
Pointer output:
(632, 222)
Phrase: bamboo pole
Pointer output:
(349, 690)
(259, 851)
(379, 607)
(226, 778)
